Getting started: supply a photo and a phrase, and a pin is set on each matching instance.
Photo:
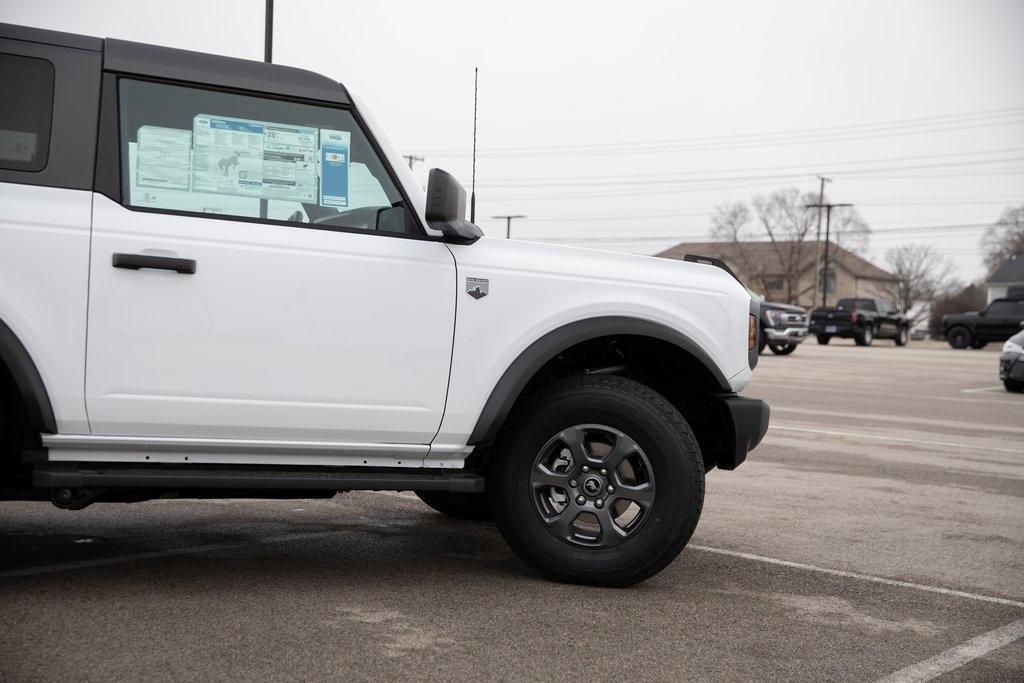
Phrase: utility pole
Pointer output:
(412, 159)
(817, 239)
(828, 226)
(508, 223)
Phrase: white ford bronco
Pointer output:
(218, 279)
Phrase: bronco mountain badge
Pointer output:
(477, 287)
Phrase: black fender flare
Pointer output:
(526, 365)
(28, 380)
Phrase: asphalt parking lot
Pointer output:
(878, 530)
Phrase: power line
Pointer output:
(662, 174)
(766, 181)
(802, 136)
(774, 176)
(696, 235)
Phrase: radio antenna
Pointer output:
(472, 194)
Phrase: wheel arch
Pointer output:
(541, 353)
(28, 383)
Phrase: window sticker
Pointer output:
(254, 159)
(289, 163)
(164, 158)
(228, 156)
(334, 167)
(184, 200)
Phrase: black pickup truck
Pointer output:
(1000, 320)
(863, 319)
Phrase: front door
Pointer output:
(273, 286)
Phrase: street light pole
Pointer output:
(828, 227)
(508, 223)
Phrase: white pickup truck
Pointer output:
(218, 279)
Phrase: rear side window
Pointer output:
(194, 150)
(1000, 308)
(26, 89)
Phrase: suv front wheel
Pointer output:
(597, 480)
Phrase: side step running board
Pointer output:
(77, 475)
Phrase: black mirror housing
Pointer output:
(446, 207)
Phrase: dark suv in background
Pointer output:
(863, 319)
(999, 321)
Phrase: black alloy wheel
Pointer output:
(592, 485)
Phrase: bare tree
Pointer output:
(922, 276)
(787, 223)
(1004, 238)
(784, 221)
(730, 222)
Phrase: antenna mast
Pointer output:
(472, 195)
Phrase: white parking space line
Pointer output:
(899, 419)
(881, 437)
(957, 656)
(859, 577)
(982, 390)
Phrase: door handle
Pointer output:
(185, 266)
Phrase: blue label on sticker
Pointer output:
(334, 151)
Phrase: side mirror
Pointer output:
(446, 207)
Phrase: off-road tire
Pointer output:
(902, 337)
(653, 424)
(783, 349)
(959, 337)
(1014, 385)
(824, 338)
(864, 338)
(458, 505)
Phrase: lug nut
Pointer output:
(599, 503)
(585, 468)
(604, 472)
(580, 500)
(611, 489)
(573, 483)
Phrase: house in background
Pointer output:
(785, 271)
(1010, 274)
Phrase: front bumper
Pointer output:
(792, 335)
(747, 422)
(1011, 366)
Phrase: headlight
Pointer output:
(773, 317)
(1011, 347)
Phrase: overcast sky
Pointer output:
(604, 121)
